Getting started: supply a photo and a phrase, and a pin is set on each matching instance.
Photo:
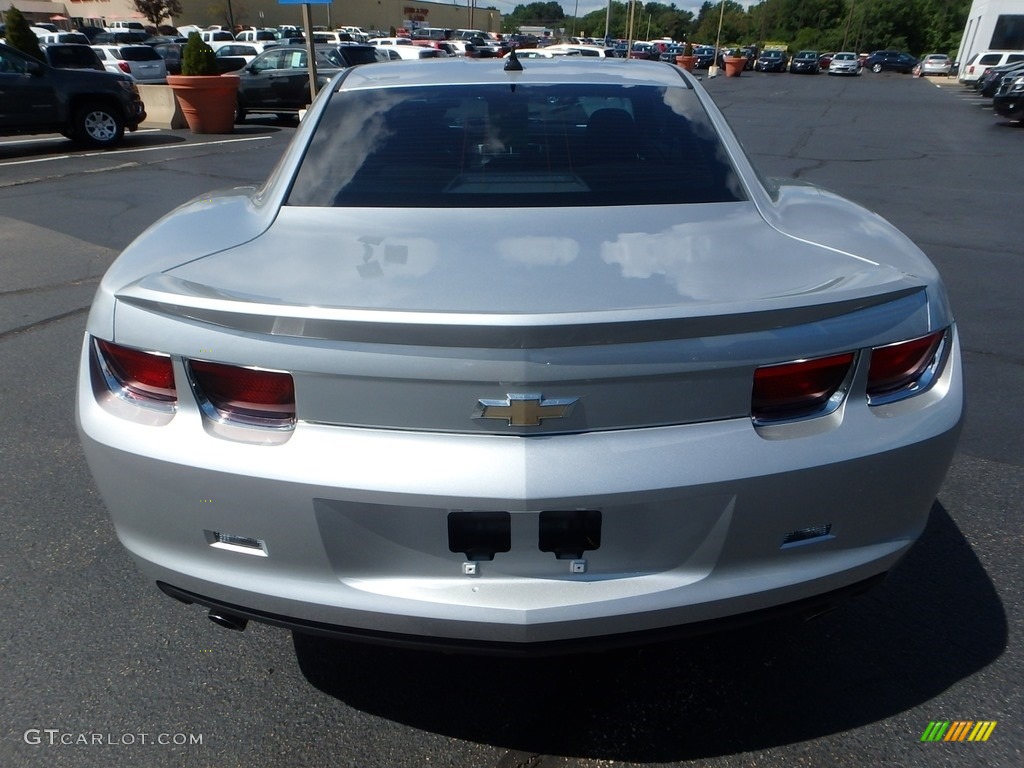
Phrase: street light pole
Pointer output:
(718, 41)
(849, 20)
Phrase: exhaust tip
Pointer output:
(228, 621)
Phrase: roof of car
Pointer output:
(556, 70)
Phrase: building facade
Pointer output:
(382, 15)
(992, 25)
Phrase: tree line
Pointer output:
(916, 26)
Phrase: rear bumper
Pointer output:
(699, 523)
(806, 608)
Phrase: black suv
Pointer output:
(90, 107)
(892, 61)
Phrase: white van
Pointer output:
(64, 37)
(216, 38)
(256, 36)
(980, 63)
(124, 26)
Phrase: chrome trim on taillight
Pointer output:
(922, 383)
(240, 427)
(828, 407)
(111, 391)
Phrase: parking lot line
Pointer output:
(108, 152)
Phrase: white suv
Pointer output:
(142, 62)
(980, 63)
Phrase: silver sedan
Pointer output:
(845, 63)
(456, 375)
(935, 64)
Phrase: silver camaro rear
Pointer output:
(517, 360)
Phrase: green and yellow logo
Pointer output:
(958, 730)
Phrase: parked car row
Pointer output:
(850, 63)
(998, 75)
(1004, 84)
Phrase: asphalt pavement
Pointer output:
(100, 669)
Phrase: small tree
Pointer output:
(198, 58)
(156, 11)
(20, 36)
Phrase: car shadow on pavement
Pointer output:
(878, 655)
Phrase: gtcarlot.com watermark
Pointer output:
(56, 737)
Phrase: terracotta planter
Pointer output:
(734, 66)
(689, 63)
(207, 101)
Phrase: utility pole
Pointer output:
(849, 20)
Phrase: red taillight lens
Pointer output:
(245, 394)
(899, 365)
(144, 375)
(125, 67)
(799, 388)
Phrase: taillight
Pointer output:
(125, 67)
(140, 376)
(902, 368)
(244, 395)
(800, 388)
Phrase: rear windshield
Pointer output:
(350, 56)
(140, 53)
(72, 56)
(534, 145)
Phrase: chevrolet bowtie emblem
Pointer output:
(525, 410)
